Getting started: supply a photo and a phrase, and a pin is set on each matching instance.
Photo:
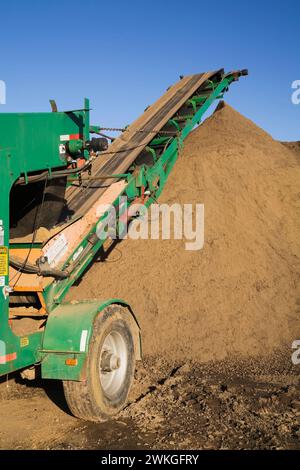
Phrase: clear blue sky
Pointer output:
(124, 54)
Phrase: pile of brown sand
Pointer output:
(240, 294)
(295, 146)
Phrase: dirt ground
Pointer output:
(217, 405)
(217, 324)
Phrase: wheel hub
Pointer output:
(113, 364)
(109, 362)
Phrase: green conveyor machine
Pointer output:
(57, 171)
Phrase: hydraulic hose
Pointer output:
(30, 268)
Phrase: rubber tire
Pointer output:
(87, 399)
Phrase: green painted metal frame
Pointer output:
(74, 321)
(28, 142)
(56, 292)
(151, 178)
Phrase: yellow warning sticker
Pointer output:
(3, 261)
(24, 341)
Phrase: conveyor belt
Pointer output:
(132, 142)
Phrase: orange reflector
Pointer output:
(71, 362)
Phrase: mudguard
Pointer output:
(67, 337)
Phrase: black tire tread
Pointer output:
(78, 394)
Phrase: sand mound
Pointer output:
(294, 146)
(240, 295)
